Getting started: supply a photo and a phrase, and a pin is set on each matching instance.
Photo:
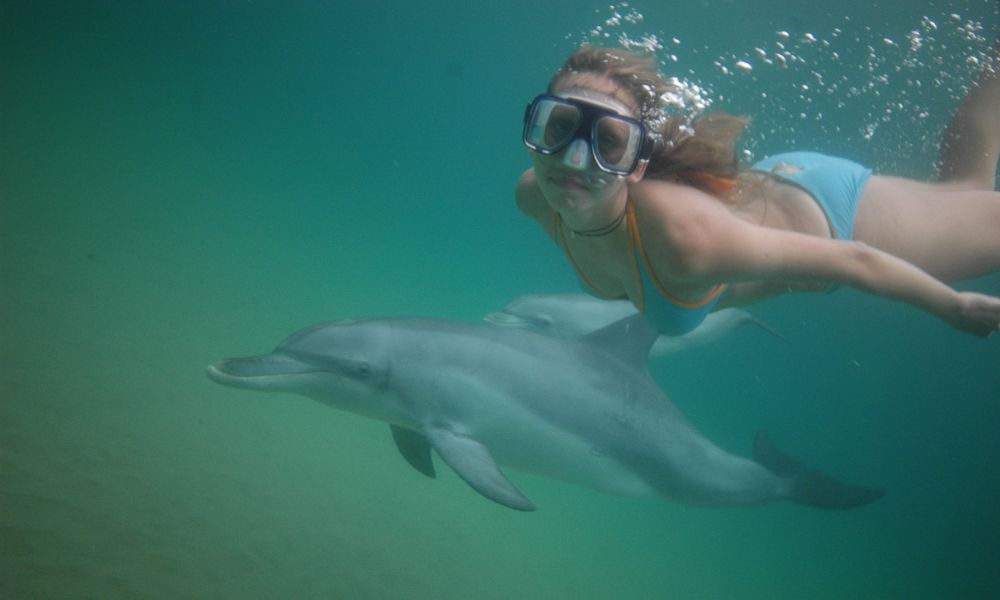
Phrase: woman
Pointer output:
(655, 209)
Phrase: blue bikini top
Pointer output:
(665, 312)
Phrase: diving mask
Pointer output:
(616, 142)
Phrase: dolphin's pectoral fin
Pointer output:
(811, 486)
(415, 449)
(474, 463)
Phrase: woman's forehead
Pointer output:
(595, 89)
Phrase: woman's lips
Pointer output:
(570, 182)
(574, 182)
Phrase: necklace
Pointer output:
(600, 231)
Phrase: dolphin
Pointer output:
(584, 411)
(572, 315)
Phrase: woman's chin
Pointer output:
(570, 200)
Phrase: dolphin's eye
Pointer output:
(362, 369)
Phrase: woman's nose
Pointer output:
(577, 155)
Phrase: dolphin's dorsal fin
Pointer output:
(630, 339)
(474, 463)
(415, 449)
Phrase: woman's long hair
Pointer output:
(700, 152)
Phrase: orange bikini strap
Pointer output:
(714, 183)
(557, 225)
(636, 240)
(633, 240)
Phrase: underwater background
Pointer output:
(182, 181)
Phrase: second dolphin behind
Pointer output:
(570, 316)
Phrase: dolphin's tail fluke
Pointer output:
(810, 486)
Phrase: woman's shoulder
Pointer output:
(531, 201)
(669, 199)
(527, 193)
(678, 223)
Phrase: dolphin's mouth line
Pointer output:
(217, 373)
(257, 371)
(504, 319)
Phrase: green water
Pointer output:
(183, 181)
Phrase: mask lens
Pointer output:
(552, 124)
(616, 142)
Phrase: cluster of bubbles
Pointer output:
(683, 97)
(894, 91)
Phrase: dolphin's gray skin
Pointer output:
(573, 315)
(584, 411)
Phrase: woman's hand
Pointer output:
(977, 314)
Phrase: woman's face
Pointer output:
(571, 179)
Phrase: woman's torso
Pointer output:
(610, 266)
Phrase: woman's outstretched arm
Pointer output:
(706, 243)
